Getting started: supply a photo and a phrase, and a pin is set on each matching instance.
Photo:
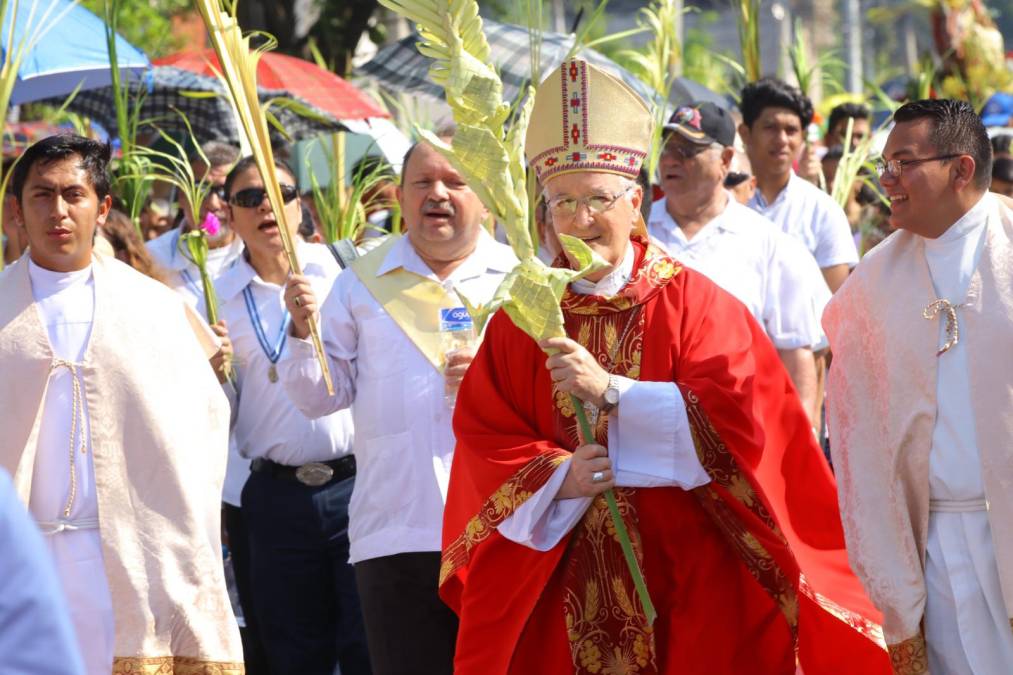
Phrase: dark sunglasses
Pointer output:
(218, 191)
(735, 178)
(251, 198)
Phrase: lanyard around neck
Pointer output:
(272, 353)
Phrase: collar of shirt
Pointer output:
(759, 202)
(663, 227)
(611, 283)
(313, 257)
(488, 255)
(46, 283)
(976, 217)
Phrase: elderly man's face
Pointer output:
(691, 174)
(442, 215)
(607, 232)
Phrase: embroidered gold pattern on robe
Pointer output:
(724, 472)
(174, 665)
(605, 623)
(498, 508)
(909, 657)
(869, 629)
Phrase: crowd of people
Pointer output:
(430, 506)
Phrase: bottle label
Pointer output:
(455, 319)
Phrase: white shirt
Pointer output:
(404, 443)
(814, 218)
(649, 443)
(183, 275)
(265, 422)
(748, 256)
(66, 306)
(966, 621)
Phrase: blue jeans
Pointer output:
(305, 598)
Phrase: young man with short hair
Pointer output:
(774, 118)
(115, 429)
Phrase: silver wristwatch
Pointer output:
(611, 395)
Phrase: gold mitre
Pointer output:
(586, 120)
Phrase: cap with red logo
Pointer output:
(703, 123)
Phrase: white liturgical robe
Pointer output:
(966, 628)
(66, 303)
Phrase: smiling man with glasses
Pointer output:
(920, 400)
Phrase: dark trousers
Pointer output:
(239, 550)
(305, 598)
(409, 628)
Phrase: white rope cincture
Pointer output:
(76, 421)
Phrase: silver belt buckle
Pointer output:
(314, 474)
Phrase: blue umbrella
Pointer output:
(67, 47)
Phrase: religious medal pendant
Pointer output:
(272, 374)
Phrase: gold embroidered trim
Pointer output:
(869, 629)
(174, 665)
(724, 471)
(498, 508)
(605, 622)
(910, 656)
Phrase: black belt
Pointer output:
(313, 474)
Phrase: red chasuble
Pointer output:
(748, 573)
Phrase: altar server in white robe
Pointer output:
(115, 430)
(921, 401)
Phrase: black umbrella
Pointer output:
(204, 103)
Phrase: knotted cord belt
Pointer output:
(76, 421)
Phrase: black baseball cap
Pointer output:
(703, 123)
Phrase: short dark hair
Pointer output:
(217, 153)
(956, 129)
(244, 164)
(846, 111)
(94, 160)
(770, 92)
(1002, 144)
(1002, 169)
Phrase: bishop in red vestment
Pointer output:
(729, 502)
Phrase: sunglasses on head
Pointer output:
(251, 198)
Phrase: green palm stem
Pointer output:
(624, 536)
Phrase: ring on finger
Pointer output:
(598, 477)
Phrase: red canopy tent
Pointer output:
(300, 78)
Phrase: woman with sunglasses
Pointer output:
(295, 501)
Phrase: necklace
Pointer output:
(272, 353)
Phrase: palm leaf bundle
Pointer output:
(489, 156)
(239, 72)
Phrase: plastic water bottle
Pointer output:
(457, 332)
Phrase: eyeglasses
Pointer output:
(218, 191)
(684, 151)
(566, 207)
(251, 198)
(736, 178)
(895, 167)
